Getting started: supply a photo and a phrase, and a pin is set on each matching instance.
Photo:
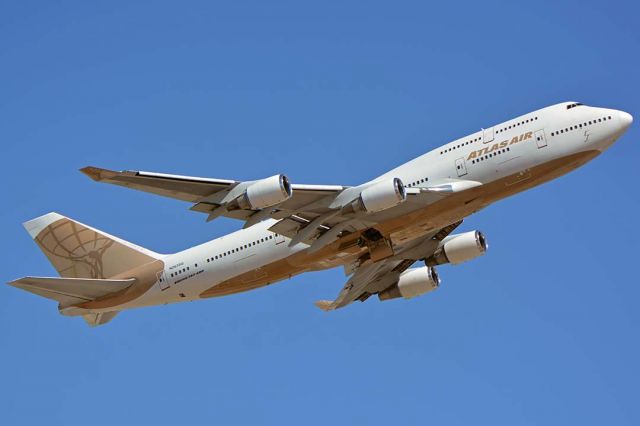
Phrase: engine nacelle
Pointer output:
(459, 248)
(264, 193)
(412, 283)
(377, 197)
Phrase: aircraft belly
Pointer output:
(256, 270)
(254, 278)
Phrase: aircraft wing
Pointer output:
(367, 280)
(312, 214)
(371, 278)
(194, 189)
(206, 194)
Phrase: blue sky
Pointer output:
(542, 330)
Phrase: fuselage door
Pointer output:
(487, 135)
(461, 167)
(162, 280)
(541, 141)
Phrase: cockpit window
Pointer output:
(573, 105)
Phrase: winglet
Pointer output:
(325, 305)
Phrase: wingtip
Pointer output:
(325, 305)
(96, 173)
(15, 283)
(21, 283)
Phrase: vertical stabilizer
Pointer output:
(80, 251)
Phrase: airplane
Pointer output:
(376, 231)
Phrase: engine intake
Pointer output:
(412, 283)
(377, 197)
(263, 193)
(459, 248)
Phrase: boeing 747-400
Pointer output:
(376, 230)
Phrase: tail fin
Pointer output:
(80, 251)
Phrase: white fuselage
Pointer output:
(507, 149)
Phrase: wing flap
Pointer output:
(288, 226)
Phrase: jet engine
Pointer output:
(377, 197)
(459, 248)
(263, 193)
(413, 282)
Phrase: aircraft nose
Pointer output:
(625, 119)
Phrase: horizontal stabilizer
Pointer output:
(71, 291)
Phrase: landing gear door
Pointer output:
(487, 135)
(541, 140)
(461, 167)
